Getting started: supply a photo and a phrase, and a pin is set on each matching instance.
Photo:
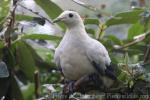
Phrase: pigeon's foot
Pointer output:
(83, 85)
(68, 90)
(88, 82)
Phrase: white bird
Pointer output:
(78, 54)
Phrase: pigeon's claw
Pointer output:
(68, 90)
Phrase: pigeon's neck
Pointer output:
(77, 31)
(77, 24)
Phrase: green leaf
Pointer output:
(4, 6)
(44, 53)
(8, 57)
(41, 37)
(15, 90)
(4, 11)
(127, 59)
(91, 21)
(28, 92)
(1, 44)
(39, 54)
(51, 9)
(130, 17)
(146, 40)
(4, 85)
(135, 30)
(91, 31)
(20, 17)
(25, 59)
(136, 51)
(1, 19)
(10, 85)
(114, 39)
(123, 77)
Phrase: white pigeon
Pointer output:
(78, 54)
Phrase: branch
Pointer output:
(91, 7)
(37, 83)
(36, 13)
(8, 26)
(138, 39)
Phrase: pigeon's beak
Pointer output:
(58, 19)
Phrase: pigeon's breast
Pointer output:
(74, 62)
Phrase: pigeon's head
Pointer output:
(70, 18)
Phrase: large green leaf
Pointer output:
(15, 89)
(4, 6)
(4, 10)
(4, 85)
(10, 86)
(25, 59)
(40, 56)
(135, 30)
(39, 20)
(123, 77)
(20, 17)
(41, 37)
(125, 18)
(90, 31)
(91, 21)
(8, 57)
(1, 44)
(28, 92)
(1, 20)
(51, 9)
(114, 39)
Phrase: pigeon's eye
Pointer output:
(70, 15)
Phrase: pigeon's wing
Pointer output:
(98, 56)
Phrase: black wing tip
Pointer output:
(97, 67)
(110, 74)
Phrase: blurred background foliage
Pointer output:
(28, 39)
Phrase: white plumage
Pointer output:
(77, 50)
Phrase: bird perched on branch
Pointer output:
(78, 54)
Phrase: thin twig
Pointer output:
(37, 83)
(36, 13)
(91, 7)
(128, 44)
(9, 24)
(100, 31)
(133, 42)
